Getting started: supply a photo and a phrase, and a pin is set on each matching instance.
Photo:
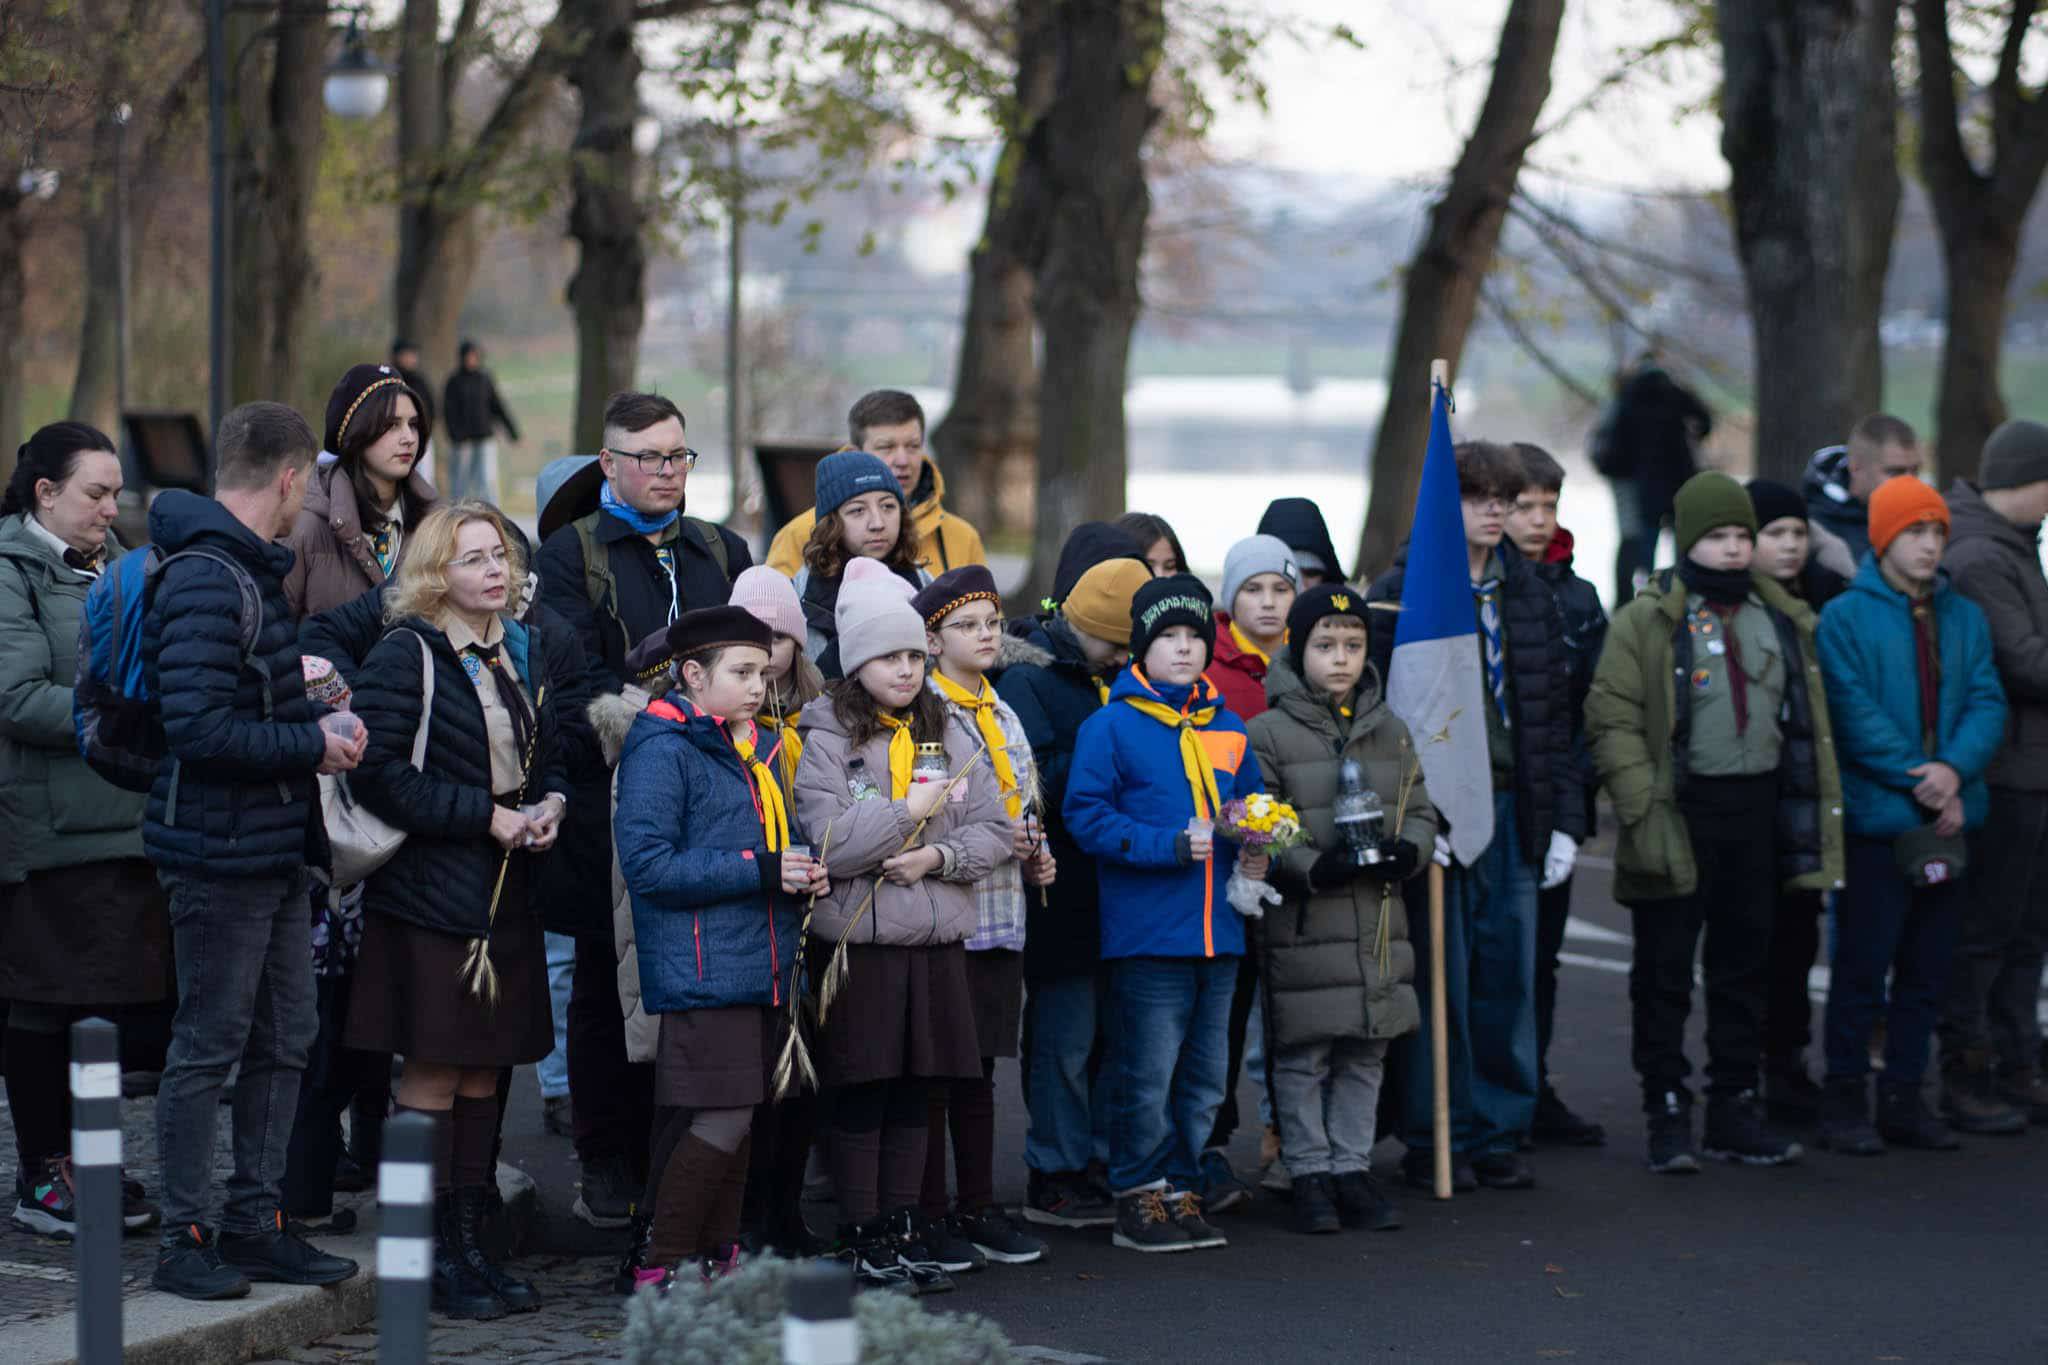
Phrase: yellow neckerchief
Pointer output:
(983, 708)
(1101, 687)
(1244, 642)
(1189, 718)
(902, 755)
(768, 798)
(789, 744)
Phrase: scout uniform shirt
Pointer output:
(1734, 730)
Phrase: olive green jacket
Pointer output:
(54, 810)
(1321, 949)
(1637, 719)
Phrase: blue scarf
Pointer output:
(638, 520)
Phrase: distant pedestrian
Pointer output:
(1646, 448)
(232, 827)
(1919, 716)
(86, 927)
(405, 358)
(1840, 479)
(475, 412)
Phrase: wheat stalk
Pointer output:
(796, 1054)
(836, 970)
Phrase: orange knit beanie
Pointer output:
(1899, 505)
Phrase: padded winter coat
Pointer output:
(1045, 678)
(335, 562)
(1239, 674)
(710, 929)
(1997, 565)
(55, 811)
(236, 798)
(1866, 655)
(855, 838)
(1549, 791)
(944, 541)
(1128, 804)
(443, 875)
(1639, 721)
(1320, 948)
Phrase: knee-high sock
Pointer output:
(856, 1148)
(476, 1125)
(906, 1127)
(39, 1096)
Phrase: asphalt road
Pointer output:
(1908, 1257)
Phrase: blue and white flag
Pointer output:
(1434, 683)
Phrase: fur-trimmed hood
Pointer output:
(611, 716)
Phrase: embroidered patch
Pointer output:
(1700, 679)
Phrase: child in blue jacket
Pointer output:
(701, 834)
(1150, 772)
(1918, 716)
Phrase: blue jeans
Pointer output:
(1068, 1118)
(245, 994)
(1489, 1000)
(1883, 924)
(472, 470)
(1169, 1055)
(553, 1070)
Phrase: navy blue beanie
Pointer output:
(846, 474)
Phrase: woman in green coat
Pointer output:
(86, 926)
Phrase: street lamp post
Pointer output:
(355, 88)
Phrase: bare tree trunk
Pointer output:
(1981, 214)
(437, 241)
(1809, 144)
(1440, 293)
(14, 225)
(990, 432)
(94, 386)
(1083, 179)
(276, 170)
(609, 289)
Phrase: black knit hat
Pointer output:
(1179, 600)
(1775, 501)
(716, 628)
(1325, 599)
(955, 588)
(345, 404)
(1089, 544)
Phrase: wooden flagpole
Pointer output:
(1439, 1043)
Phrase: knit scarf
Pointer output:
(640, 521)
(1187, 718)
(983, 707)
(789, 745)
(1244, 642)
(768, 799)
(902, 755)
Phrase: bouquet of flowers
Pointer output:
(1261, 824)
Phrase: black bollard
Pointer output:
(405, 1239)
(817, 1323)
(96, 1178)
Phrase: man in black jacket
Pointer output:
(232, 825)
(474, 412)
(1539, 817)
(1657, 424)
(619, 574)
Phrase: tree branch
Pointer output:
(454, 60)
(1521, 336)
(1944, 164)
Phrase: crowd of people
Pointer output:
(772, 863)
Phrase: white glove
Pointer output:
(1250, 898)
(1441, 854)
(1557, 864)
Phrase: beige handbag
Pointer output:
(360, 842)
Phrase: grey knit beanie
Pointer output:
(1251, 557)
(2015, 454)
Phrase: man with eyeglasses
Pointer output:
(620, 573)
(1539, 817)
(889, 424)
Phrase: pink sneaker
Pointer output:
(722, 1262)
(654, 1277)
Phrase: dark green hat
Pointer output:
(1707, 501)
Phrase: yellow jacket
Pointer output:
(944, 541)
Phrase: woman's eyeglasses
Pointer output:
(475, 562)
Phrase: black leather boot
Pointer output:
(515, 1293)
(459, 1292)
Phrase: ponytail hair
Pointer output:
(52, 453)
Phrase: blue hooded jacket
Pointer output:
(1127, 805)
(692, 851)
(1873, 682)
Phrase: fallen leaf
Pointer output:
(1553, 1269)
(1084, 1275)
